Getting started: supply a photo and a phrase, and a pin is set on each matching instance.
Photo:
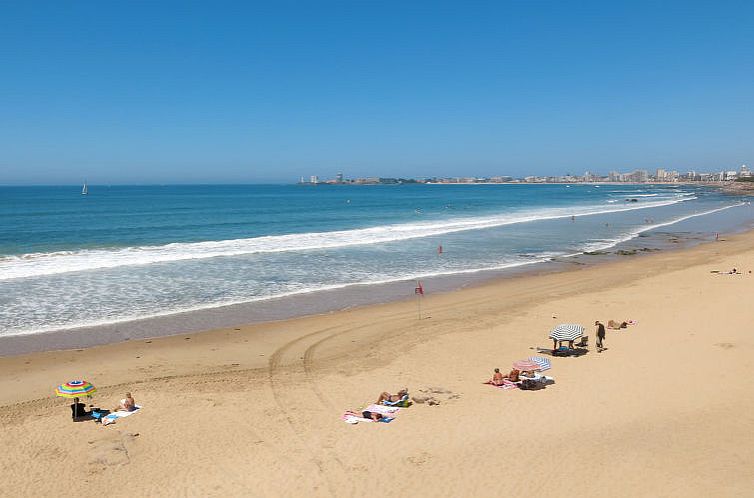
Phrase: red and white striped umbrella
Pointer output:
(526, 365)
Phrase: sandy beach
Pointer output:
(666, 410)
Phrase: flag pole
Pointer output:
(419, 291)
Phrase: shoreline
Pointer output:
(319, 302)
(231, 411)
(60, 326)
(508, 283)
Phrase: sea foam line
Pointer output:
(41, 264)
(542, 258)
(602, 245)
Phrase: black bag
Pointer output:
(529, 385)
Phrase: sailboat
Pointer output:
(85, 189)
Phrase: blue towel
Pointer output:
(401, 402)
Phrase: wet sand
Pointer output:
(666, 410)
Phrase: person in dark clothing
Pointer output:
(78, 410)
(600, 334)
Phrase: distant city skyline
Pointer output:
(660, 175)
(244, 92)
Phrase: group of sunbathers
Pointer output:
(79, 411)
(385, 398)
(498, 379)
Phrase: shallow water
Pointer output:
(126, 253)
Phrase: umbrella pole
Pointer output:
(75, 408)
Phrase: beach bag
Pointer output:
(529, 385)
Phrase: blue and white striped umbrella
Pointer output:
(544, 363)
(567, 332)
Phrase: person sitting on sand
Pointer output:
(497, 378)
(126, 404)
(393, 398)
(513, 376)
(559, 344)
(78, 410)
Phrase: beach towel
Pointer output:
(403, 402)
(507, 384)
(354, 418)
(121, 414)
(383, 410)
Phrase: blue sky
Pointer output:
(161, 92)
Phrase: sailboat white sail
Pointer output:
(85, 189)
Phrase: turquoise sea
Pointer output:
(128, 252)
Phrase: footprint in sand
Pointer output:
(725, 345)
(110, 452)
(419, 459)
(434, 396)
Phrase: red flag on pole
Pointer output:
(419, 289)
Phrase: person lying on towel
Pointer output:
(372, 415)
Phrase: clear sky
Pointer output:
(161, 92)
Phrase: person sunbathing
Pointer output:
(497, 378)
(393, 398)
(126, 404)
(513, 376)
(372, 415)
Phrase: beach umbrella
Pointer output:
(567, 332)
(75, 389)
(525, 365)
(544, 363)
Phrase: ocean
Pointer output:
(125, 253)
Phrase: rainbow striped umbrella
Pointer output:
(75, 389)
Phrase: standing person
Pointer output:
(600, 334)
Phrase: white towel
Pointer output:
(382, 409)
(124, 413)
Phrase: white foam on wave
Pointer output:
(383, 279)
(541, 258)
(607, 244)
(41, 264)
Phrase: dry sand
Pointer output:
(667, 410)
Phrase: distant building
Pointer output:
(339, 178)
(314, 179)
(501, 179)
(637, 176)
